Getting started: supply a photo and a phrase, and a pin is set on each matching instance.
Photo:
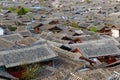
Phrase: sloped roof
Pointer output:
(53, 37)
(7, 75)
(5, 44)
(45, 34)
(11, 16)
(55, 28)
(37, 16)
(79, 31)
(36, 25)
(54, 76)
(45, 71)
(84, 38)
(85, 25)
(99, 27)
(106, 37)
(27, 41)
(13, 37)
(25, 33)
(98, 74)
(46, 27)
(24, 18)
(97, 48)
(26, 55)
(8, 22)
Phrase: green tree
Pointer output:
(93, 29)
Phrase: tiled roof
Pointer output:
(13, 37)
(28, 55)
(5, 44)
(97, 48)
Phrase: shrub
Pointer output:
(21, 10)
(12, 28)
(29, 72)
(11, 9)
(93, 29)
(72, 24)
(1, 7)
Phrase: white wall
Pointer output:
(1, 31)
(115, 33)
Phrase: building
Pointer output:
(11, 60)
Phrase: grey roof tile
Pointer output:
(5, 44)
(28, 55)
(25, 33)
(97, 48)
(13, 37)
(7, 75)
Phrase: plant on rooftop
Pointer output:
(29, 72)
(93, 29)
(21, 10)
(1, 7)
(11, 9)
(119, 16)
(77, 2)
(30, 16)
(72, 24)
(88, 1)
(40, 2)
(12, 28)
